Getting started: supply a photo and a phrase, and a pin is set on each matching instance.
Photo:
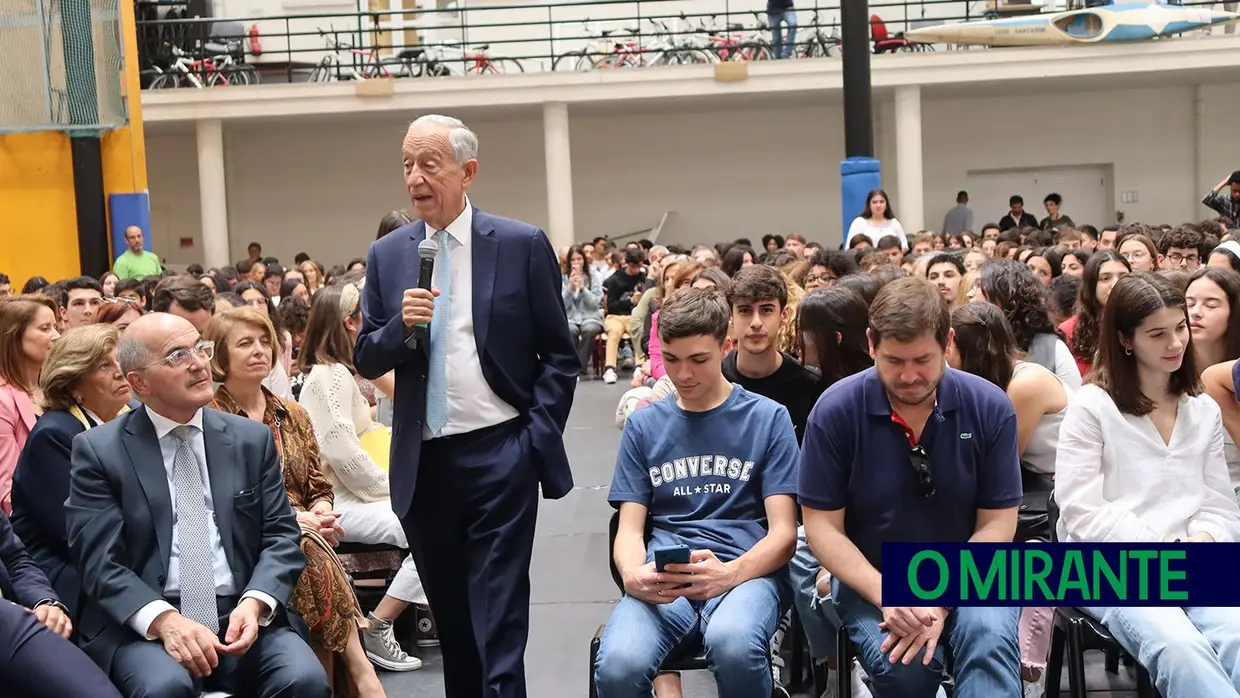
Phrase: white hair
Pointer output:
(464, 142)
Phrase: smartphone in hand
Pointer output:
(670, 555)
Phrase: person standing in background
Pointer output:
(783, 39)
(1227, 205)
(960, 218)
(135, 262)
(481, 398)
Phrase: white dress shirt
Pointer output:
(1117, 481)
(472, 405)
(224, 583)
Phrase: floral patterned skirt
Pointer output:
(324, 596)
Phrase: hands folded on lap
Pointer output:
(909, 630)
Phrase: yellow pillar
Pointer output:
(124, 150)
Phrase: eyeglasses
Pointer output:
(827, 279)
(921, 465)
(1176, 258)
(181, 358)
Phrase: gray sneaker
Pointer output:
(383, 650)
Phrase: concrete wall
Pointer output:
(321, 186)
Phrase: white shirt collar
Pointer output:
(462, 227)
(93, 417)
(164, 426)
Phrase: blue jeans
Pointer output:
(818, 616)
(735, 629)
(1188, 651)
(982, 640)
(783, 42)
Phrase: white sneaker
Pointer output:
(860, 689)
(382, 649)
(609, 376)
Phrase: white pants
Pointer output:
(374, 523)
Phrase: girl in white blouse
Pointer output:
(877, 220)
(1141, 460)
(341, 416)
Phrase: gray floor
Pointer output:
(572, 590)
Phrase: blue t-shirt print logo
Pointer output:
(693, 467)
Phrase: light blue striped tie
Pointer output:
(437, 370)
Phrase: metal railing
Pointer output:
(496, 38)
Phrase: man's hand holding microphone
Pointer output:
(418, 304)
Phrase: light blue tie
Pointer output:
(437, 370)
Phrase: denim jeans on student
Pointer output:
(735, 629)
(1187, 651)
(982, 640)
(818, 616)
(783, 42)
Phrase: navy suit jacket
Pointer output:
(119, 518)
(40, 488)
(21, 579)
(527, 355)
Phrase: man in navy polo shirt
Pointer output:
(712, 468)
(911, 450)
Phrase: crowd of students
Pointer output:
(278, 344)
(928, 387)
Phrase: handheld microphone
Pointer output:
(427, 251)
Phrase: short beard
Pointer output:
(893, 396)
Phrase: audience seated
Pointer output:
(736, 513)
(1141, 460)
(880, 463)
(82, 387)
(359, 477)
(181, 531)
(246, 343)
(1080, 331)
(27, 331)
(583, 304)
(36, 657)
(1017, 292)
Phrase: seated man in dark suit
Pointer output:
(182, 533)
(36, 658)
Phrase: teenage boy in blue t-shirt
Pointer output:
(712, 468)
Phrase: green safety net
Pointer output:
(61, 66)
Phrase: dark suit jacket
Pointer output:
(21, 580)
(527, 356)
(40, 488)
(1026, 220)
(119, 518)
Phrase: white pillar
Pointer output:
(910, 206)
(213, 193)
(559, 175)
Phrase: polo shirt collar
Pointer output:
(877, 404)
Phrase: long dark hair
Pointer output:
(585, 266)
(984, 342)
(1013, 288)
(1134, 298)
(326, 339)
(391, 221)
(827, 311)
(866, 213)
(1088, 308)
(734, 259)
(1229, 282)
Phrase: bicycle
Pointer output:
(332, 67)
(442, 58)
(821, 44)
(672, 48)
(604, 51)
(217, 68)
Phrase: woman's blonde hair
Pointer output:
(221, 328)
(78, 352)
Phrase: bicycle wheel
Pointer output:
(218, 78)
(584, 62)
(321, 73)
(756, 51)
(696, 56)
(165, 81)
(511, 66)
(249, 75)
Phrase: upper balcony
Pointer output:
(485, 53)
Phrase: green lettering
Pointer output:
(1166, 575)
(1102, 568)
(970, 577)
(944, 575)
(1143, 572)
(1013, 590)
(1073, 576)
(1037, 576)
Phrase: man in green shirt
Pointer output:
(135, 262)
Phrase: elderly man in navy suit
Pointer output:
(480, 405)
(36, 658)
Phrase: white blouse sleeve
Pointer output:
(327, 397)
(1084, 511)
(1065, 366)
(903, 237)
(857, 227)
(1219, 514)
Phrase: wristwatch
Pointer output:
(52, 602)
